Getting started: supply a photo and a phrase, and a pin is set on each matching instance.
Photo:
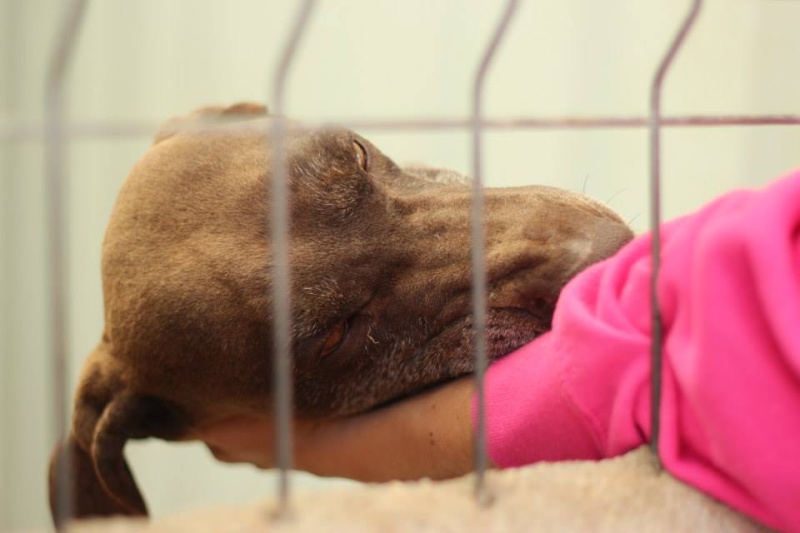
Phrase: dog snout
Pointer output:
(602, 239)
(552, 236)
(584, 230)
(530, 275)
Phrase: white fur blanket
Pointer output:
(623, 494)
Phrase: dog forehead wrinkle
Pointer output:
(323, 166)
(325, 291)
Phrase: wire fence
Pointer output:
(56, 133)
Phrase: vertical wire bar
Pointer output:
(655, 222)
(56, 187)
(479, 254)
(282, 305)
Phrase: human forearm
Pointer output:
(428, 435)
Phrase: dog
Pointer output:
(380, 285)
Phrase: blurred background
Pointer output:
(146, 60)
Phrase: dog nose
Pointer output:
(612, 235)
(603, 238)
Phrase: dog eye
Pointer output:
(335, 338)
(362, 156)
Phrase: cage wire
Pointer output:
(56, 133)
(279, 213)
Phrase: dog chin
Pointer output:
(512, 329)
(507, 329)
(503, 337)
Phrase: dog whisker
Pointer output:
(615, 195)
(629, 222)
(585, 181)
(370, 337)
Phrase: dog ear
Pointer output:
(246, 109)
(130, 417)
(106, 417)
(240, 111)
(87, 496)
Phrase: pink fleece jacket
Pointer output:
(730, 297)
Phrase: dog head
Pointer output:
(380, 282)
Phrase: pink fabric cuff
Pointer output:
(529, 417)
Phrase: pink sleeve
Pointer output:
(730, 294)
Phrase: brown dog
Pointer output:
(380, 285)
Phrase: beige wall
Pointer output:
(5, 168)
(148, 59)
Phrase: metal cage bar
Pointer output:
(281, 275)
(56, 185)
(479, 251)
(126, 129)
(656, 325)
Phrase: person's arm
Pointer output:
(428, 435)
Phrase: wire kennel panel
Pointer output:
(57, 133)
